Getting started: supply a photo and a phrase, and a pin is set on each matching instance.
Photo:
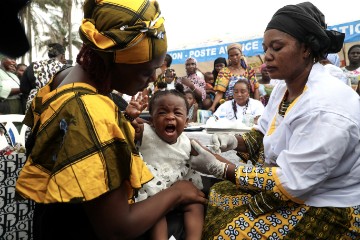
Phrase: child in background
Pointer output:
(210, 93)
(209, 79)
(169, 116)
(219, 64)
(192, 113)
(168, 82)
(170, 78)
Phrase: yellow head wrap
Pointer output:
(132, 29)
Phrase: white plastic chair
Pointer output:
(8, 120)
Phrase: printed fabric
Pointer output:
(168, 165)
(254, 208)
(199, 83)
(84, 147)
(43, 71)
(226, 80)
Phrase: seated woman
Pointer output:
(241, 105)
(194, 80)
(304, 182)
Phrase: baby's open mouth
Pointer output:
(170, 128)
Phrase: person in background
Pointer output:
(168, 82)
(153, 87)
(329, 65)
(209, 80)
(40, 72)
(169, 117)
(303, 183)
(228, 76)
(210, 93)
(265, 87)
(20, 69)
(165, 65)
(193, 106)
(10, 94)
(352, 71)
(83, 169)
(334, 59)
(219, 64)
(194, 80)
(242, 105)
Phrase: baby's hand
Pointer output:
(136, 106)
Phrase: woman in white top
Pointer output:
(304, 182)
(241, 104)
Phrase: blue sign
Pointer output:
(351, 30)
(253, 47)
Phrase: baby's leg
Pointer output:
(159, 230)
(194, 221)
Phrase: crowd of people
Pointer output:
(96, 170)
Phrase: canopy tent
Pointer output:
(252, 49)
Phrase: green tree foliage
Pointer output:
(47, 21)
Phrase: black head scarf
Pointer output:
(306, 22)
(220, 60)
(214, 72)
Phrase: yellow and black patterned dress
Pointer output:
(84, 148)
(258, 208)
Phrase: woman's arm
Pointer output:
(218, 95)
(258, 179)
(194, 118)
(113, 218)
(257, 94)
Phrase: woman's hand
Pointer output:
(188, 192)
(223, 142)
(187, 82)
(137, 105)
(205, 162)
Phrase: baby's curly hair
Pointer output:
(178, 91)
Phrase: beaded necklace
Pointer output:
(284, 104)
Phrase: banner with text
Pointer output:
(253, 47)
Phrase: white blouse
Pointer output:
(316, 146)
(167, 162)
(255, 108)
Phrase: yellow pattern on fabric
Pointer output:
(257, 178)
(255, 148)
(222, 81)
(132, 30)
(255, 208)
(283, 190)
(84, 148)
